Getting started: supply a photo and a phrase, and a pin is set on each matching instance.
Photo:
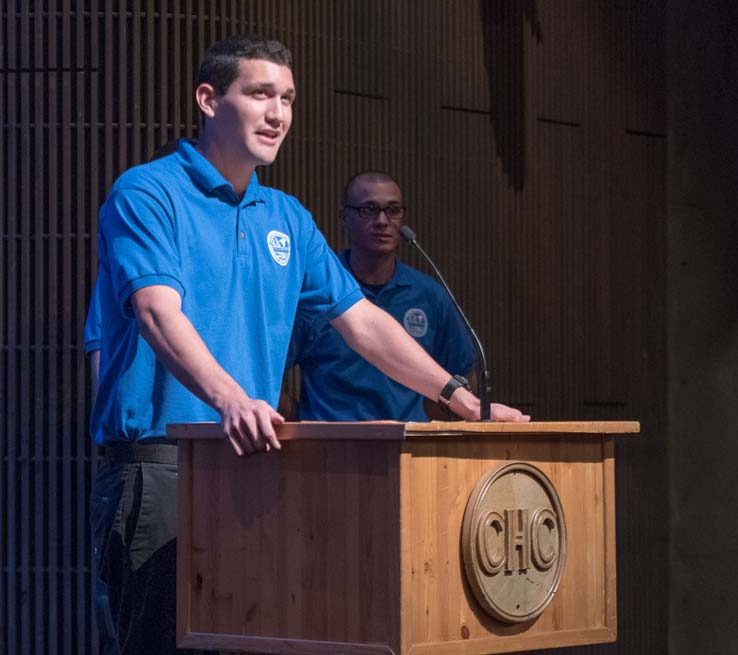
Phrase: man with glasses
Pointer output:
(336, 384)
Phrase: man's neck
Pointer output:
(372, 268)
(230, 166)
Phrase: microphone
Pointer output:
(485, 390)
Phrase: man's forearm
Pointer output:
(247, 423)
(382, 341)
(437, 412)
(181, 350)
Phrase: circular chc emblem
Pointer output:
(279, 247)
(513, 542)
(416, 322)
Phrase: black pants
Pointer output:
(108, 644)
(134, 521)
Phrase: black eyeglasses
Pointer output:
(370, 211)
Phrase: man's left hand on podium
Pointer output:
(505, 414)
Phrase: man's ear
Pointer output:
(206, 99)
(344, 225)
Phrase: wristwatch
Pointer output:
(456, 381)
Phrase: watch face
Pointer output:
(462, 381)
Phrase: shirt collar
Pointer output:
(402, 277)
(208, 178)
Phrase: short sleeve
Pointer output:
(137, 240)
(328, 289)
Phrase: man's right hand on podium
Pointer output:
(249, 425)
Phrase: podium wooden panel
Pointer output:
(348, 540)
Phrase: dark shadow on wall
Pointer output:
(502, 33)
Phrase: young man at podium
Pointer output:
(336, 383)
(202, 271)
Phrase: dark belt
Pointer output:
(154, 453)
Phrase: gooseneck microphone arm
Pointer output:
(485, 389)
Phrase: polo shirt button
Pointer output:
(241, 234)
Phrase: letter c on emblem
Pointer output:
(491, 542)
(543, 519)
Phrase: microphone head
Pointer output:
(407, 233)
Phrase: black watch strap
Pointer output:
(456, 381)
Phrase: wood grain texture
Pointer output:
(547, 428)
(375, 430)
(518, 643)
(264, 645)
(396, 430)
(299, 545)
(440, 612)
(355, 545)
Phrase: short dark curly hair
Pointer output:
(219, 66)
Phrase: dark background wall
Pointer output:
(703, 325)
(530, 139)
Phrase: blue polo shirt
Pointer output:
(241, 265)
(336, 384)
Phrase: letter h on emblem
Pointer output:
(517, 538)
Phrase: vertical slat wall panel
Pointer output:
(4, 355)
(41, 244)
(528, 140)
(5, 595)
(25, 326)
(11, 636)
(55, 510)
(95, 180)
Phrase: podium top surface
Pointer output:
(399, 431)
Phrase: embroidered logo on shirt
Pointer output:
(279, 247)
(416, 322)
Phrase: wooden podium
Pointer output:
(353, 539)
